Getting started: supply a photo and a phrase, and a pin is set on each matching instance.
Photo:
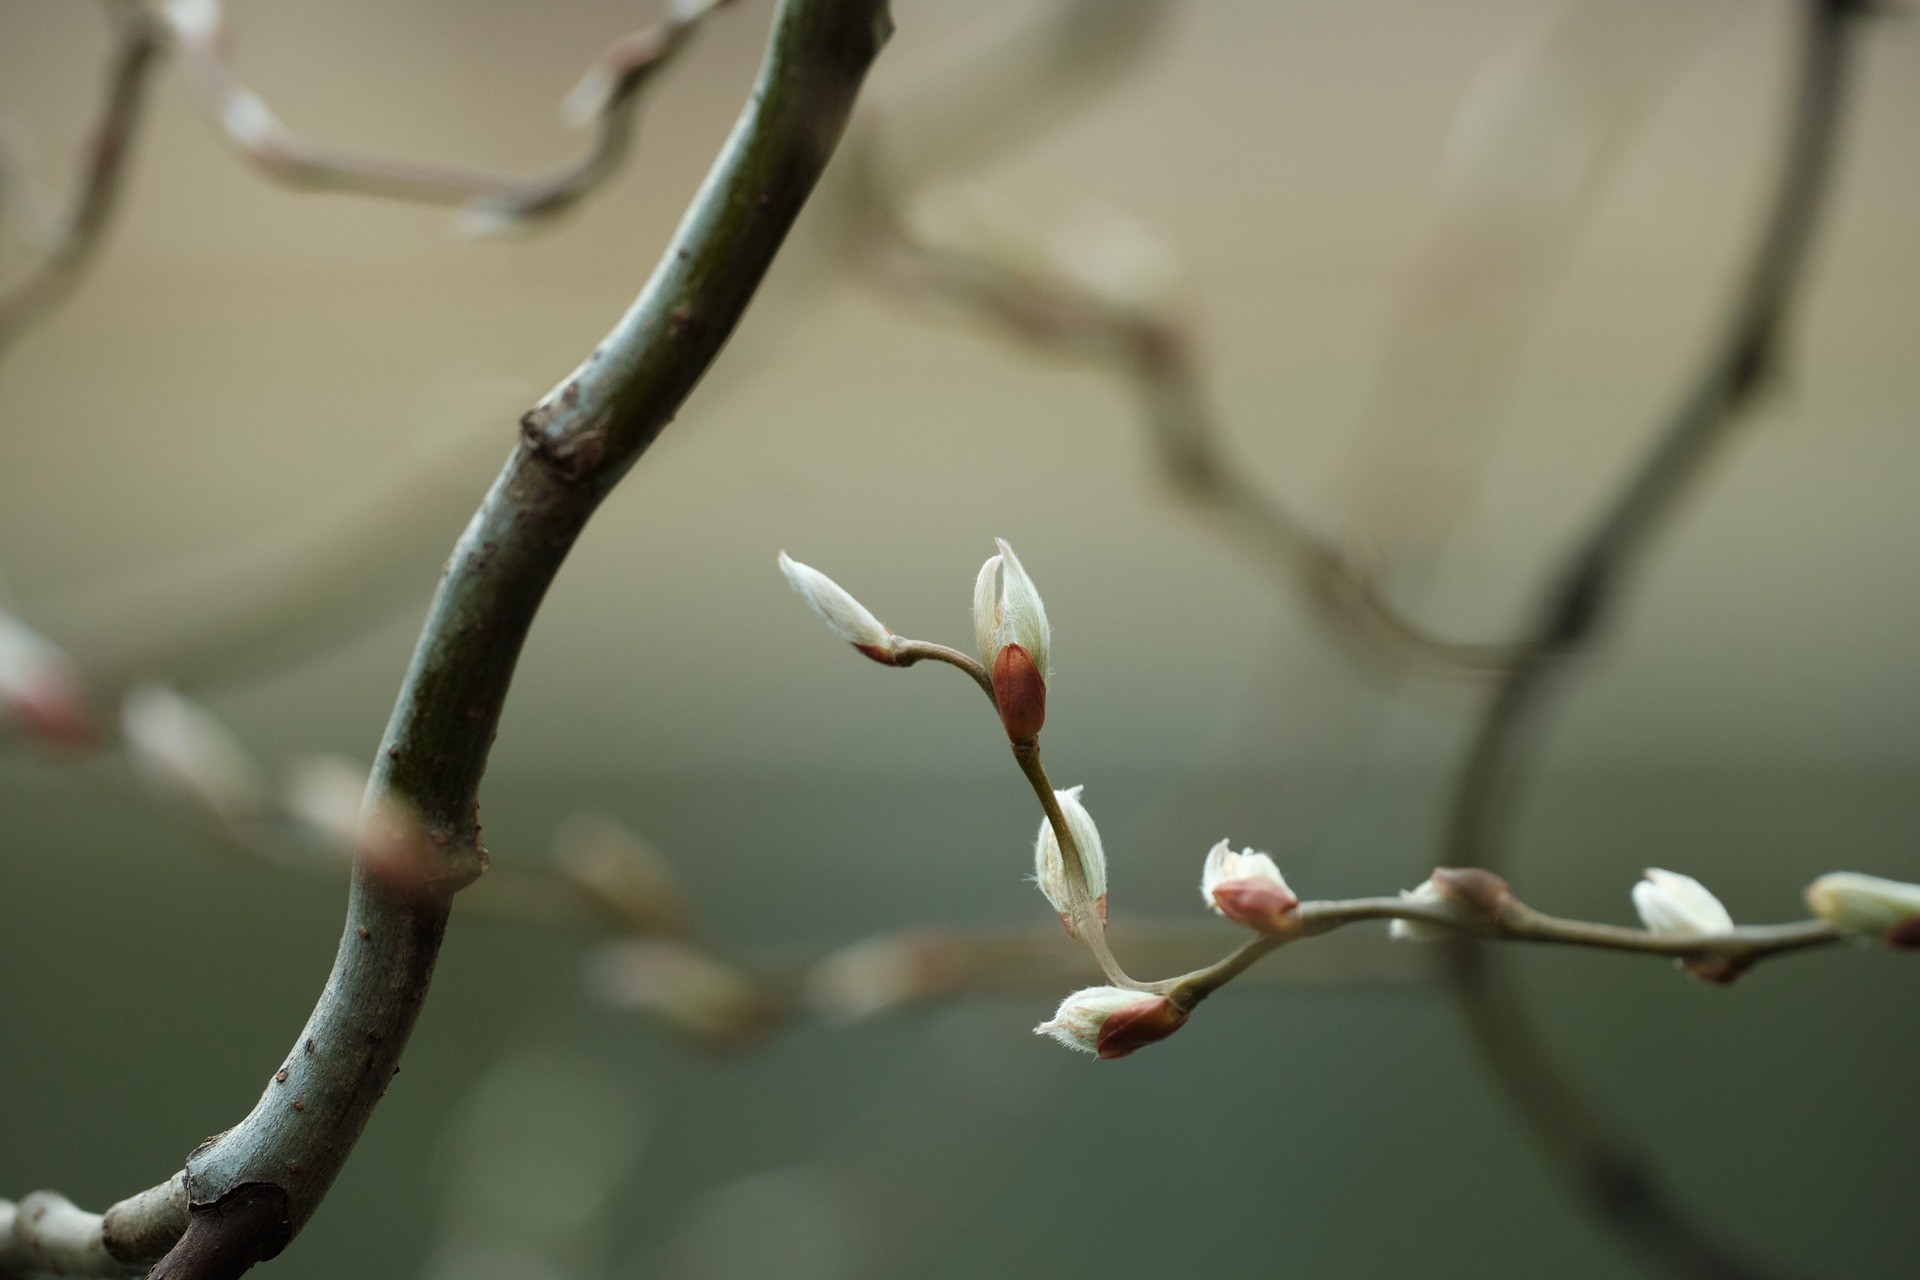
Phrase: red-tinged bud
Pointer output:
(1247, 888)
(884, 656)
(1483, 891)
(1260, 905)
(1905, 936)
(1139, 1026)
(1112, 1021)
(1020, 693)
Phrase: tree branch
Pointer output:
(607, 97)
(253, 1187)
(1735, 950)
(1145, 343)
(47, 1234)
(1575, 607)
(83, 228)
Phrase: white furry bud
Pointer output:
(178, 746)
(844, 616)
(1007, 610)
(1675, 905)
(1112, 1021)
(1869, 906)
(1050, 866)
(1246, 888)
(1420, 930)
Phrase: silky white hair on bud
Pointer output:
(1224, 866)
(986, 610)
(1676, 905)
(1049, 864)
(1077, 1022)
(1428, 893)
(1007, 610)
(178, 745)
(1859, 904)
(844, 616)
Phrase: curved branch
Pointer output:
(607, 97)
(253, 1187)
(1575, 607)
(1151, 351)
(82, 230)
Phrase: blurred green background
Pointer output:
(246, 360)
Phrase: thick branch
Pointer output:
(575, 448)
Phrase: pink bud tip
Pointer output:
(1136, 1026)
(1256, 904)
(1905, 936)
(1019, 693)
(55, 715)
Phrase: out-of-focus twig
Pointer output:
(1127, 326)
(219, 614)
(81, 229)
(607, 98)
(1532, 148)
(1581, 599)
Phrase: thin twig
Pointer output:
(607, 97)
(1738, 949)
(82, 229)
(1580, 600)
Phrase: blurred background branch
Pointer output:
(1576, 606)
(70, 244)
